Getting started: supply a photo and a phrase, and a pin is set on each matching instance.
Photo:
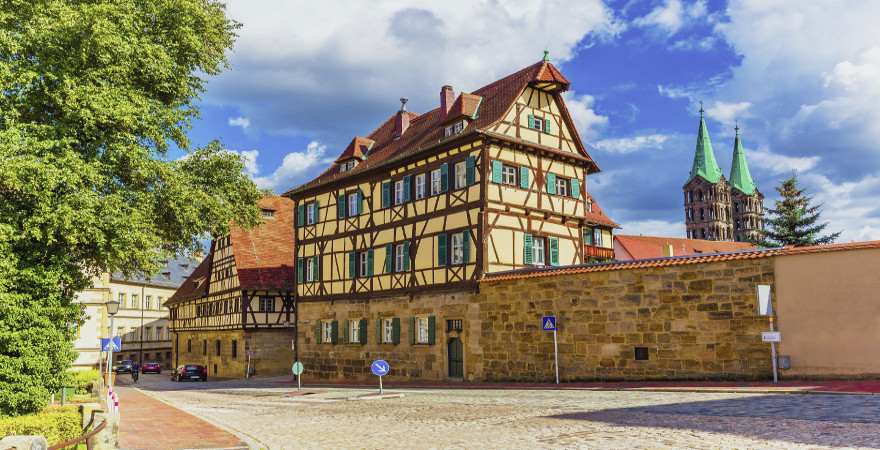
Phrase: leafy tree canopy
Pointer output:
(93, 95)
(795, 221)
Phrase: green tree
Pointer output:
(93, 95)
(794, 221)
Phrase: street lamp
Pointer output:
(112, 309)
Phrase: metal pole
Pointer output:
(556, 355)
(110, 355)
(299, 385)
(141, 351)
(773, 355)
(380, 385)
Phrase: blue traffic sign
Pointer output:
(113, 344)
(548, 323)
(380, 368)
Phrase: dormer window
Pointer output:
(268, 213)
(347, 166)
(455, 128)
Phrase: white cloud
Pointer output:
(292, 169)
(653, 228)
(775, 163)
(242, 122)
(703, 44)
(848, 206)
(249, 157)
(587, 121)
(632, 144)
(328, 74)
(728, 112)
(673, 15)
(674, 92)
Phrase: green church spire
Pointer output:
(705, 165)
(740, 178)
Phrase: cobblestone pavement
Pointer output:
(275, 417)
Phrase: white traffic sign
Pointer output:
(765, 306)
(771, 336)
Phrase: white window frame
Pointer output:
(420, 186)
(457, 248)
(398, 192)
(398, 257)
(326, 332)
(268, 213)
(538, 246)
(267, 304)
(435, 182)
(460, 175)
(597, 237)
(136, 301)
(310, 269)
(388, 331)
(508, 175)
(353, 204)
(562, 186)
(538, 123)
(310, 213)
(362, 263)
(422, 330)
(148, 302)
(354, 331)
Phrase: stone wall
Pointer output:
(272, 352)
(697, 321)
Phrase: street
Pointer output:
(269, 413)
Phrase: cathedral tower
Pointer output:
(746, 200)
(707, 194)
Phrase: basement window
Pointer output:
(641, 353)
(268, 213)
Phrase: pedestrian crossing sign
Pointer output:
(548, 323)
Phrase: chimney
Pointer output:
(667, 250)
(447, 97)
(401, 121)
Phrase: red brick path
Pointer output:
(147, 423)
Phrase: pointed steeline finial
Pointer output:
(736, 127)
(701, 109)
(403, 103)
(546, 55)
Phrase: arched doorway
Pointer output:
(455, 358)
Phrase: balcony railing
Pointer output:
(593, 252)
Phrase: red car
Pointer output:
(151, 367)
(190, 372)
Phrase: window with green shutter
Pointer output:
(575, 188)
(441, 249)
(551, 183)
(352, 264)
(524, 177)
(300, 215)
(554, 251)
(362, 331)
(444, 177)
(299, 270)
(531, 121)
(546, 125)
(340, 205)
(412, 330)
(406, 255)
(386, 194)
(346, 326)
(407, 188)
(318, 330)
(528, 249)
(465, 246)
(395, 330)
(497, 167)
(432, 330)
(470, 165)
(588, 236)
(334, 332)
(389, 258)
(370, 262)
(360, 202)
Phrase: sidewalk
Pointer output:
(147, 423)
(783, 387)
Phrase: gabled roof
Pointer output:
(357, 149)
(171, 275)
(644, 247)
(425, 130)
(597, 215)
(704, 165)
(263, 255)
(466, 105)
(740, 177)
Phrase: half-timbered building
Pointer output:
(408, 219)
(236, 313)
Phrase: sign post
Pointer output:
(548, 323)
(765, 308)
(297, 371)
(380, 368)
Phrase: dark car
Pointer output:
(151, 367)
(190, 372)
(124, 366)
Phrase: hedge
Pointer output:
(84, 380)
(57, 424)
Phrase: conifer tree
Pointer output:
(795, 221)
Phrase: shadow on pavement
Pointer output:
(760, 417)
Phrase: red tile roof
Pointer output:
(466, 105)
(597, 215)
(425, 132)
(644, 247)
(358, 148)
(263, 255)
(675, 261)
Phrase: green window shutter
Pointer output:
(531, 121)
(386, 194)
(300, 215)
(466, 246)
(412, 330)
(316, 264)
(362, 331)
(575, 188)
(389, 258)
(317, 211)
(471, 164)
(360, 201)
(370, 262)
(352, 265)
(551, 183)
(527, 249)
(441, 249)
(554, 251)
(546, 125)
(346, 339)
(395, 330)
(432, 329)
(524, 177)
(334, 332)
(588, 236)
(318, 333)
(299, 270)
(444, 177)
(340, 206)
(407, 188)
(406, 255)
(497, 167)
(379, 330)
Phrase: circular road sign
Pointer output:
(297, 368)
(380, 368)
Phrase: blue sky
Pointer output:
(802, 79)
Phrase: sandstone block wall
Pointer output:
(271, 349)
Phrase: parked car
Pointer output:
(151, 367)
(124, 366)
(190, 372)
